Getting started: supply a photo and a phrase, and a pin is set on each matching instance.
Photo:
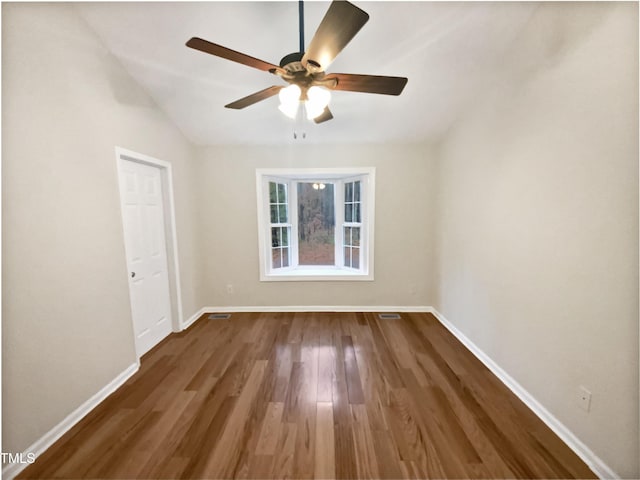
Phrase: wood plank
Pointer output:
(223, 461)
(339, 392)
(352, 374)
(373, 386)
(283, 459)
(345, 451)
(270, 431)
(325, 459)
(199, 455)
(386, 456)
(326, 372)
(399, 339)
(366, 462)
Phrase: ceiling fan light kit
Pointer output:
(305, 71)
(314, 101)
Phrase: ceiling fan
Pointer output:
(305, 71)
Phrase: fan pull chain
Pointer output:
(299, 130)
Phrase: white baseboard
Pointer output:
(310, 308)
(573, 442)
(301, 308)
(11, 470)
(194, 317)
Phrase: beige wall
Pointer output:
(67, 329)
(538, 222)
(403, 236)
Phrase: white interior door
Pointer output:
(144, 232)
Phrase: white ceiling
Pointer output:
(449, 51)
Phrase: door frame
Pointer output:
(170, 233)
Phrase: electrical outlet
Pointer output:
(229, 288)
(584, 398)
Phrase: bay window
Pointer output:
(315, 224)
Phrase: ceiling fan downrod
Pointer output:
(292, 60)
(301, 23)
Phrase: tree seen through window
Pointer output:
(316, 224)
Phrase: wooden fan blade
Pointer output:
(368, 83)
(324, 116)
(224, 52)
(254, 98)
(339, 25)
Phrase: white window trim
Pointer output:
(317, 273)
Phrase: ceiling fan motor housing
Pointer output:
(298, 74)
(293, 62)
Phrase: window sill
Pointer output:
(316, 274)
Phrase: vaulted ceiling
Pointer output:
(450, 52)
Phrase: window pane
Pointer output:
(275, 236)
(274, 214)
(347, 256)
(356, 191)
(285, 257)
(273, 198)
(348, 192)
(275, 258)
(284, 236)
(283, 213)
(348, 210)
(355, 257)
(282, 193)
(316, 224)
(355, 236)
(356, 213)
(347, 236)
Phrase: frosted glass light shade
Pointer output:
(290, 100)
(318, 99)
(290, 110)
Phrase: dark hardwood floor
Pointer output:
(304, 395)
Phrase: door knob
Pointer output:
(133, 274)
